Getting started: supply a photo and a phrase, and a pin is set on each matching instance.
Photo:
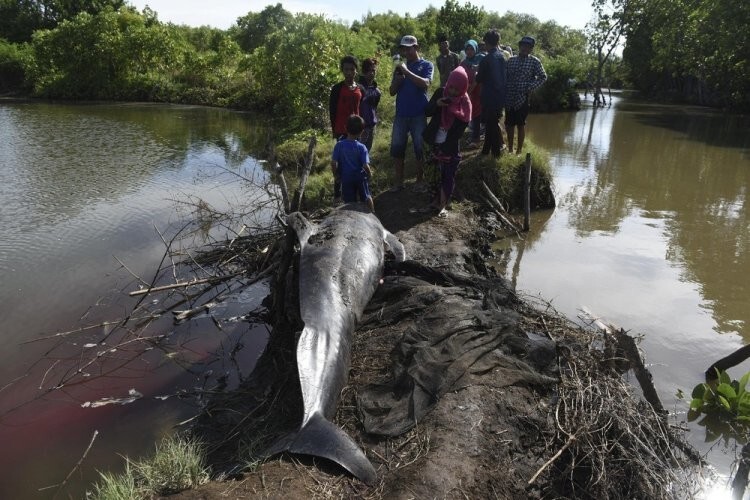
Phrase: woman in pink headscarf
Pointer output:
(455, 113)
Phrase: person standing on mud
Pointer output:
(344, 101)
(409, 83)
(525, 74)
(471, 65)
(453, 110)
(492, 76)
(368, 107)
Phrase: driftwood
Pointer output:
(627, 348)
(739, 483)
(213, 280)
(180, 316)
(727, 362)
(497, 207)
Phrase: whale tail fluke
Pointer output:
(321, 438)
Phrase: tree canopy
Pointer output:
(693, 50)
(20, 18)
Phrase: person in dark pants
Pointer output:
(525, 74)
(492, 76)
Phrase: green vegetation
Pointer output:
(725, 397)
(272, 60)
(694, 51)
(282, 63)
(177, 465)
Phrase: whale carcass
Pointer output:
(341, 263)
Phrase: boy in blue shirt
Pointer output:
(350, 163)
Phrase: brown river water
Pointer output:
(651, 233)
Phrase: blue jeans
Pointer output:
(403, 126)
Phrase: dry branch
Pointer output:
(212, 280)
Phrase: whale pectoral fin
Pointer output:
(303, 227)
(321, 438)
(397, 248)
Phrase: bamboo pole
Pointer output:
(527, 193)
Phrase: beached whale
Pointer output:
(341, 263)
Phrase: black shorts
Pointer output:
(514, 117)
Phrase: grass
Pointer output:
(504, 175)
(178, 464)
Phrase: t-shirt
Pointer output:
(347, 105)
(351, 156)
(410, 99)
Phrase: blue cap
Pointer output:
(527, 40)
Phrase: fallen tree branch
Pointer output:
(492, 200)
(189, 313)
(212, 280)
(549, 462)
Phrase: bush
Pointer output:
(13, 61)
(558, 93)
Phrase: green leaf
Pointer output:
(693, 415)
(696, 404)
(743, 404)
(724, 402)
(724, 378)
(727, 391)
(698, 391)
(743, 383)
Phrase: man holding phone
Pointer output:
(411, 79)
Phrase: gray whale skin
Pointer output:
(341, 263)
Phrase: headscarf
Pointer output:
(460, 106)
(478, 56)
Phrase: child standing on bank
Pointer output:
(350, 163)
(368, 107)
(344, 101)
(453, 109)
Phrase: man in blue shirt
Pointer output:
(411, 78)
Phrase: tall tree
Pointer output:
(459, 23)
(606, 30)
(20, 18)
(253, 29)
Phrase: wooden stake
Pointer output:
(527, 193)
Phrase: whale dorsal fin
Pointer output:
(397, 248)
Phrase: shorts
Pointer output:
(403, 126)
(516, 117)
(356, 189)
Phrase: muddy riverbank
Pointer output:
(459, 388)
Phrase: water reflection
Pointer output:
(651, 231)
(79, 186)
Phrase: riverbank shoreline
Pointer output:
(509, 425)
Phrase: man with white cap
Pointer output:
(410, 81)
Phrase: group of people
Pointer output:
(475, 91)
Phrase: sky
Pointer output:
(224, 13)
